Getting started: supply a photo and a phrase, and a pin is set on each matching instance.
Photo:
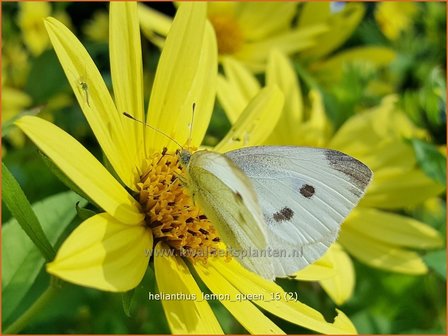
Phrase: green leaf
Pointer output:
(21, 261)
(84, 213)
(127, 299)
(430, 160)
(437, 262)
(46, 66)
(20, 208)
(137, 297)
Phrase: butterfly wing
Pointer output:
(305, 194)
(227, 198)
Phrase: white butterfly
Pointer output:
(291, 200)
(279, 208)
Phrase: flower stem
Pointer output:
(34, 309)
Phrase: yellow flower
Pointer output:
(246, 31)
(110, 251)
(30, 21)
(15, 68)
(341, 20)
(13, 102)
(97, 29)
(15, 64)
(371, 233)
(323, 59)
(395, 17)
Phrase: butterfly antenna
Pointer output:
(191, 125)
(152, 127)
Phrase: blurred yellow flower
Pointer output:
(15, 64)
(14, 101)
(30, 20)
(97, 29)
(326, 63)
(341, 18)
(371, 233)
(395, 17)
(246, 31)
(15, 68)
(110, 251)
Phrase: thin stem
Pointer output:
(33, 310)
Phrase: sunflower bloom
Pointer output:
(245, 31)
(371, 234)
(155, 215)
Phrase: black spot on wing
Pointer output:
(283, 215)
(358, 173)
(307, 190)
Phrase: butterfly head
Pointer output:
(184, 157)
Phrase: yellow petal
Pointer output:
(203, 90)
(230, 98)
(152, 22)
(333, 68)
(387, 156)
(256, 54)
(315, 131)
(341, 25)
(256, 122)
(188, 316)
(340, 287)
(393, 18)
(313, 12)
(262, 19)
(127, 72)
(242, 82)
(250, 317)
(272, 298)
(379, 254)
(221, 8)
(13, 102)
(82, 168)
(393, 229)
(392, 189)
(372, 127)
(280, 72)
(94, 99)
(170, 107)
(319, 270)
(104, 253)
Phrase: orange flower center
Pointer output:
(228, 33)
(170, 211)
